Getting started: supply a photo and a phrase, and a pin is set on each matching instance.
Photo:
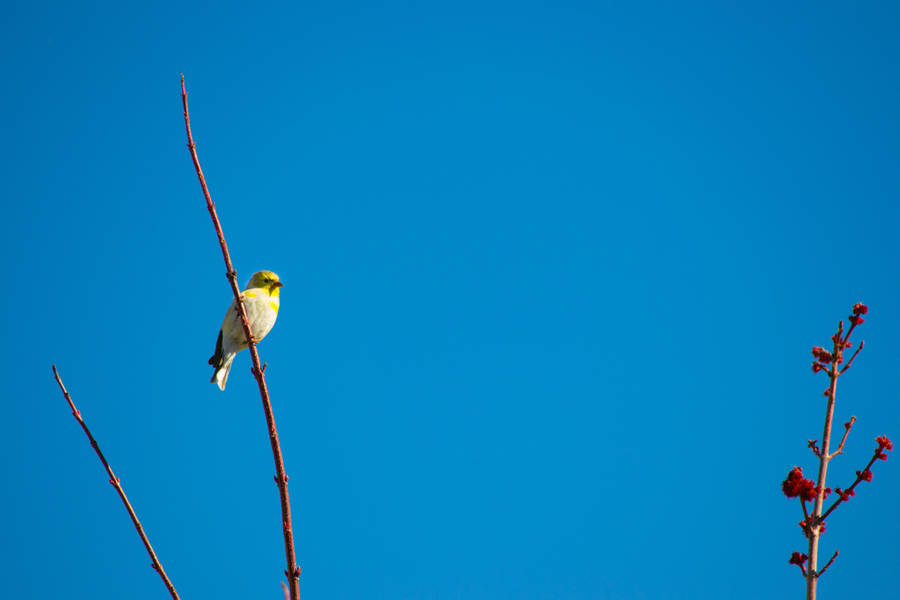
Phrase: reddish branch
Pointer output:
(281, 479)
(118, 485)
(847, 426)
(828, 564)
(852, 358)
(844, 495)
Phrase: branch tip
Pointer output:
(828, 564)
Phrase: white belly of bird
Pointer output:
(261, 312)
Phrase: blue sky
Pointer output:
(552, 275)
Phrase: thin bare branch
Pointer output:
(281, 479)
(118, 485)
(840, 449)
(849, 331)
(850, 362)
(828, 564)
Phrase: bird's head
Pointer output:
(266, 280)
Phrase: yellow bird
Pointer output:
(261, 301)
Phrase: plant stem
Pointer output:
(813, 522)
(281, 479)
(118, 485)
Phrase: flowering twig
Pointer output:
(118, 485)
(864, 475)
(813, 523)
(281, 479)
(798, 559)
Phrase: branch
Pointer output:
(281, 479)
(814, 447)
(815, 521)
(118, 485)
(828, 564)
(840, 448)
(853, 324)
(847, 492)
(850, 362)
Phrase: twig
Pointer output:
(850, 362)
(828, 564)
(840, 449)
(853, 325)
(281, 479)
(814, 447)
(118, 485)
(798, 559)
(848, 491)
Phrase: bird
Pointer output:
(261, 300)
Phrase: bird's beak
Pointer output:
(277, 284)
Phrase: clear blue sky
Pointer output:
(552, 275)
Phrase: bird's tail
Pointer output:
(222, 369)
(221, 360)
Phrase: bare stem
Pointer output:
(118, 485)
(281, 479)
(828, 564)
(815, 522)
(840, 449)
